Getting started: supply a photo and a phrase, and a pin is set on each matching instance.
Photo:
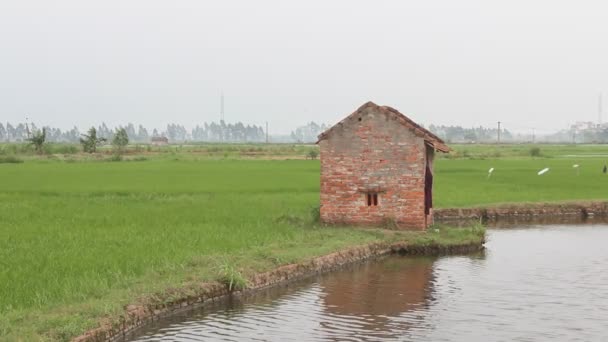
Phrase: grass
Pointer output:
(81, 239)
(445, 236)
(231, 277)
(186, 151)
(78, 241)
(493, 151)
(465, 183)
(10, 160)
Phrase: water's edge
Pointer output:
(137, 317)
(531, 282)
(524, 211)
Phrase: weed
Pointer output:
(10, 160)
(390, 223)
(231, 277)
(315, 214)
(115, 158)
(535, 152)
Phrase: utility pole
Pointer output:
(599, 109)
(498, 132)
(222, 106)
(267, 132)
(533, 136)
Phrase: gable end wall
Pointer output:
(375, 154)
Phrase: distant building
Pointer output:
(377, 168)
(159, 141)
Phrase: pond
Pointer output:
(531, 283)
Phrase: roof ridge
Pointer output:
(424, 133)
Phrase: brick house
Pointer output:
(377, 168)
(159, 141)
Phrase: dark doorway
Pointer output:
(428, 181)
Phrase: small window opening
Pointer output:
(372, 199)
(359, 119)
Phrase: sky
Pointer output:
(530, 64)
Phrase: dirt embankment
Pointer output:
(137, 315)
(583, 210)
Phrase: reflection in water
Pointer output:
(389, 288)
(358, 303)
(374, 294)
(538, 283)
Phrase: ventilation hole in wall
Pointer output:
(359, 119)
(372, 199)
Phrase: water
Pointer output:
(531, 284)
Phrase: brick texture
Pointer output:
(371, 152)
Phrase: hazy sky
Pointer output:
(527, 63)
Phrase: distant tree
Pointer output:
(470, 136)
(10, 132)
(21, 132)
(38, 139)
(104, 132)
(312, 154)
(90, 141)
(72, 135)
(477, 134)
(308, 133)
(120, 140)
(131, 131)
(589, 136)
(603, 135)
(52, 134)
(142, 134)
(535, 152)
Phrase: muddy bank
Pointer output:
(178, 300)
(582, 210)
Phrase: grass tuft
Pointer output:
(231, 277)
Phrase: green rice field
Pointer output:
(79, 239)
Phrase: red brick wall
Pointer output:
(372, 152)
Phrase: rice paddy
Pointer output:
(80, 239)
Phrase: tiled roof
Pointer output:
(420, 131)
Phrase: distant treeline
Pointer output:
(213, 132)
(594, 135)
(239, 132)
(208, 132)
(308, 133)
(456, 134)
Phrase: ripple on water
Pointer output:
(543, 283)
